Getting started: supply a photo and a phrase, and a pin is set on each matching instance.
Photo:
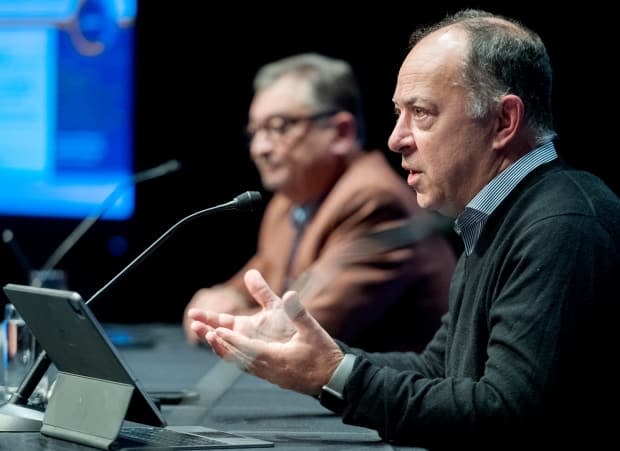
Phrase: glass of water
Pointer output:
(18, 351)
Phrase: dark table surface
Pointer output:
(219, 396)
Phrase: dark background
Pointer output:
(193, 84)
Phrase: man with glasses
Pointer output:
(330, 198)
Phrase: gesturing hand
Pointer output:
(282, 343)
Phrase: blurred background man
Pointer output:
(330, 198)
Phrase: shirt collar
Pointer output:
(471, 221)
(301, 214)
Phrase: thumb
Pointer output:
(260, 289)
(298, 314)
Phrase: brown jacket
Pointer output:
(360, 292)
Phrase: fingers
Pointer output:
(199, 322)
(292, 304)
(213, 319)
(294, 309)
(199, 329)
(190, 335)
(259, 289)
(196, 314)
(219, 346)
(234, 347)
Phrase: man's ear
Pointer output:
(508, 120)
(345, 127)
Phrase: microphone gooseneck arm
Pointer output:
(87, 222)
(244, 202)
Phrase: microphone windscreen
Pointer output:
(248, 200)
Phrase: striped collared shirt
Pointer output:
(471, 221)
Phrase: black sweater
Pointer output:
(525, 351)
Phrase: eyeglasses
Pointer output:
(278, 125)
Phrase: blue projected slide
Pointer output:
(66, 107)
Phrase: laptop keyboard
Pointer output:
(156, 436)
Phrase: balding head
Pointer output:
(501, 56)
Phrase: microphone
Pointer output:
(247, 201)
(9, 239)
(77, 233)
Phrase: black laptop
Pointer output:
(97, 400)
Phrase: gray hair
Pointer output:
(505, 57)
(332, 84)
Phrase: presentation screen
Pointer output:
(66, 107)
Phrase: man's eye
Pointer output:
(417, 111)
(278, 124)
